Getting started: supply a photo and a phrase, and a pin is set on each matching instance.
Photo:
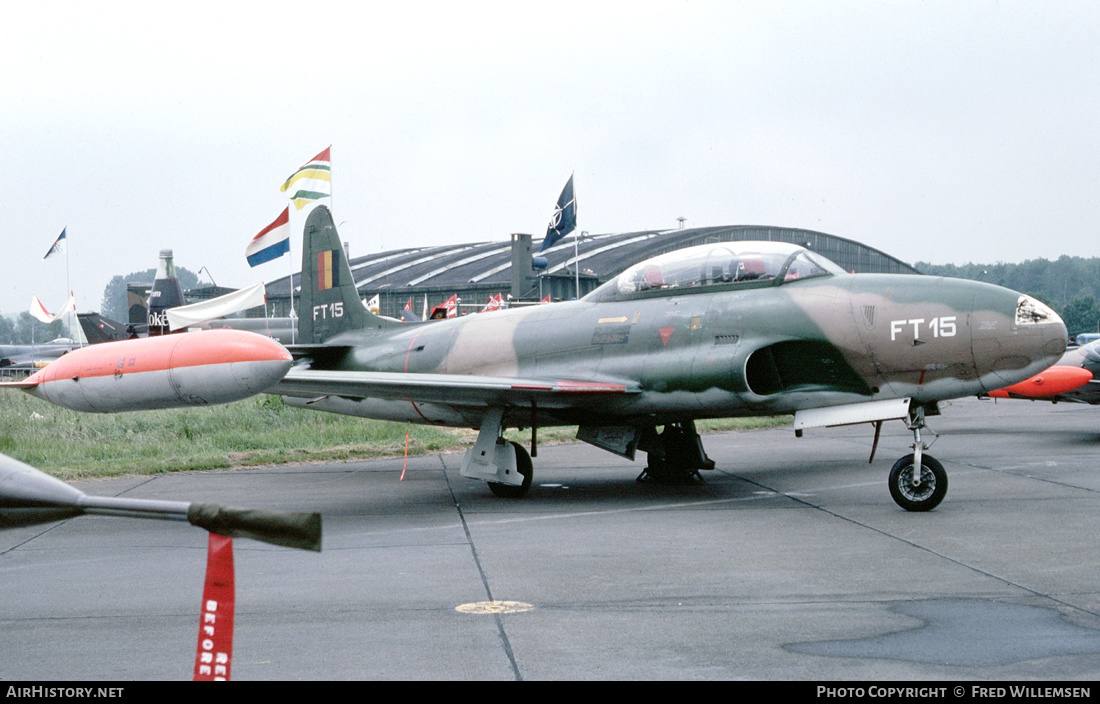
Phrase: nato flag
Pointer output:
(564, 220)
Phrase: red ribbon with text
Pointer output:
(215, 646)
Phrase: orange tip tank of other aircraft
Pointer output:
(1059, 379)
(170, 371)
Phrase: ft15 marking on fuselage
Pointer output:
(938, 327)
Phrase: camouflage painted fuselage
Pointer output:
(716, 348)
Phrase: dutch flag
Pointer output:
(272, 242)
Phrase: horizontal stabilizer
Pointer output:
(319, 355)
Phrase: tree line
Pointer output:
(114, 303)
(25, 329)
(1069, 285)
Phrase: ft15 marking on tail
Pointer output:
(330, 310)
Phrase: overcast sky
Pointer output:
(946, 132)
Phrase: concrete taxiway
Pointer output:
(790, 563)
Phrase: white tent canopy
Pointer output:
(243, 299)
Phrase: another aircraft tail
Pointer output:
(329, 303)
(99, 328)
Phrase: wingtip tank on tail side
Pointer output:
(329, 302)
(168, 371)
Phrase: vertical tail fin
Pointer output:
(99, 328)
(329, 303)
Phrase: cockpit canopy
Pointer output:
(693, 268)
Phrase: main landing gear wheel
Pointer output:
(675, 456)
(924, 494)
(669, 473)
(525, 469)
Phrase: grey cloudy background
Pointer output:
(939, 131)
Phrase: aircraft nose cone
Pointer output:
(1048, 326)
(1035, 340)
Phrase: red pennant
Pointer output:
(215, 647)
(406, 465)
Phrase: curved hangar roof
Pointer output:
(601, 256)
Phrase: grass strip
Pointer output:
(261, 430)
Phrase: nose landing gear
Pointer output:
(918, 481)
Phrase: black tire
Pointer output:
(525, 469)
(675, 463)
(932, 489)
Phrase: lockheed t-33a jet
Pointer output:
(719, 330)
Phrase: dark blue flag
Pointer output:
(564, 220)
(58, 245)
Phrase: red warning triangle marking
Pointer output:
(665, 334)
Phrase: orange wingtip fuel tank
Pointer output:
(170, 371)
(1059, 379)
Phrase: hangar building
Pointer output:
(475, 272)
(427, 276)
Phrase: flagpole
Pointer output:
(311, 197)
(576, 263)
(290, 282)
(67, 259)
(267, 314)
(68, 313)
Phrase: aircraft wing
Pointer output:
(448, 388)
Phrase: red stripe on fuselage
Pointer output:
(573, 387)
(409, 351)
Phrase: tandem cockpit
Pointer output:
(722, 265)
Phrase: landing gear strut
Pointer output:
(505, 465)
(674, 456)
(918, 481)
